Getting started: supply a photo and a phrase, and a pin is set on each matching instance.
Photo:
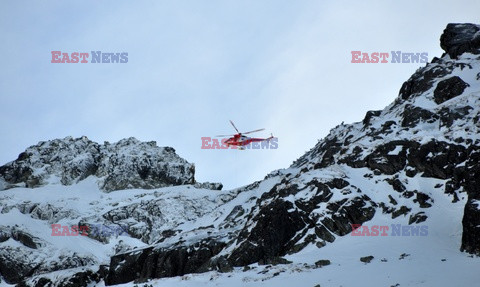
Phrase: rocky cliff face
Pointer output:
(126, 164)
(431, 130)
(417, 158)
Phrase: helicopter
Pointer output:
(239, 139)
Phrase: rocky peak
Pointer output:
(128, 163)
(437, 102)
(460, 38)
(430, 130)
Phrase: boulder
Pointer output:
(449, 89)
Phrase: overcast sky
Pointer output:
(194, 65)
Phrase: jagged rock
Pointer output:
(366, 259)
(460, 38)
(17, 264)
(323, 233)
(396, 184)
(382, 159)
(209, 185)
(235, 213)
(81, 279)
(126, 164)
(369, 116)
(471, 227)
(450, 114)
(403, 210)
(133, 164)
(274, 261)
(40, 282)
(73, 278)
(271, 236)
(5, 234)
(417, 218)
(221, 264)
(423, 199)
(437, 159)
(12, 269)
(392, 200)
(26, 238)
(449, 89)
(348, 212)
(354, 159)
(413, 115)
(423, 80)
(322, 194)
(147, 220)
(44, 282)
(165, 262)
(23, 237)
(337, 183)
(330, 148)
(408, 194)
(323, 262)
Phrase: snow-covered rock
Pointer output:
(126, 164)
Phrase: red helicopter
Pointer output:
(240, 140)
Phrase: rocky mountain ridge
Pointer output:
(126, 164)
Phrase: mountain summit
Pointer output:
(126, 164)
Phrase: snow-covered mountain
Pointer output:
(126, 164)
(409, 173)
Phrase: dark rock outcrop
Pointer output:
(423, 79)
(471, 215)
(166, 262)
(209, 185)
(13, 270)
(471, 230)
(26, 239)
(413, 115)
(323, 262)
(271, 237)
(366, 259)
(460, 38)
(449, 89)
(83, 278)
